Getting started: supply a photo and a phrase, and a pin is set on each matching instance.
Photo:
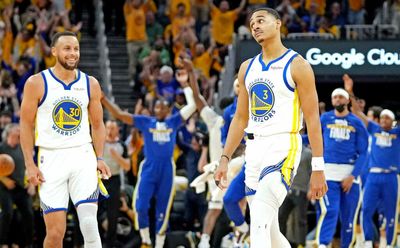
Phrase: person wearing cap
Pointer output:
(345, 154)
(384, 160)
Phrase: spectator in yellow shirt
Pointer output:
(326, 27)
(223, 21)
(172, 8)
(181, 21)
(201, 10)
(136, 37)
(321, 5)
(26, 44)
(356, 12)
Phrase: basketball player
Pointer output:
(345, 154)
(56, 109)
(272, 87)
(382, 183)
(157, 171)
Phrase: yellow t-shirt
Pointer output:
(332, 30)
(355, 5)
(203, 63)
(178, 23)
(150, 5)
(135, 23)
(22, 45)
(222, 25)
(6, 46)
(257, 1)
(321, 4)
(201, 2)
(173, 9)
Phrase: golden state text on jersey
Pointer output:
(262, 99)
(62, 118)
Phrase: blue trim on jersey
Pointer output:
(86, 201)
(88, 85)
(66, 87)
(249, 191)
(248, 68)
(54, 210)
(285, 72)
(270, 169)
(266, 67)
(45, 89)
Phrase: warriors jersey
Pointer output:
(274, 105)
(62, 119)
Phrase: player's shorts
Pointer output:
(67, 172)
(266, 154)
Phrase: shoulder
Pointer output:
(299, 63)
(35, 84)
(325, 115)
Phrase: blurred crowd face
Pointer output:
(386, 122)
(199, 49)
(166, 77)
(66, 51)
(224, 6)
(136, 3)
(150, 17)
(181, 10)
(13, 136)
(264, 26)
(112, 129)
(335, 9)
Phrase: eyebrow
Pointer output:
(256, 17)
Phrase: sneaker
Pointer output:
(144, 245)
(241, 239)
(192, 238)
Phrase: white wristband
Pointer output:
(318, 164)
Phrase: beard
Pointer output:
(66, 66)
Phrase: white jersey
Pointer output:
(274, 106)
(62, 119)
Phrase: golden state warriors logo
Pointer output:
(262, 100)
(67, 115)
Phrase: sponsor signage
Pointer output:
(334, 58)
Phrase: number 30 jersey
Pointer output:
(62, 119)
(274, 106)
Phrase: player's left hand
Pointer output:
(105, 171)
(347, 183)
(318, 186)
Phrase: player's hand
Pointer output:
(35, 176)
(105, 171)
(348, 83)
(8, 183)
(220, 175)
(318, 186)
(347, 183)
(182, 77)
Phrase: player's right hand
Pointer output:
(220, 175)
(35, 176)
(318, 186)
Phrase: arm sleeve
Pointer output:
(190, 107)
(362, 149)
(372, 127)
(209, 116)
(225, 127)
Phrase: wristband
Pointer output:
(225, 156)
(318, 164)
(100, 158)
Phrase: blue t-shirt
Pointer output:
(385, 147)
(159, 136)
(167, 90)
(229, 112)
(345, 140)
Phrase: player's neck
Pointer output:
(272, 49)
(67, 76)
(342, 114)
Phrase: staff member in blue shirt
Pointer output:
(382, 182)
(157, 171)
(345, 153)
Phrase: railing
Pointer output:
(104, 61)
(309, 36)
(371, 32)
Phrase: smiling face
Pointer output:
(66, 51)
(264, 26)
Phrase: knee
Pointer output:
(89, 228)
(55, 235)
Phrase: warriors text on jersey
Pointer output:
(62, 119)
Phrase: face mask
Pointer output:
(340, 108)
